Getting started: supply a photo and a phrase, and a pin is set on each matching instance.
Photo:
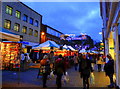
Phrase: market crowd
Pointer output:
(83, 63)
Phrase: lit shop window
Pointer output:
(7, 24)
(36, 33)
(30, 31)
(36, 23)
(9, 10)
(24, 29)
(31, 21)
(17, 27)
(25, 18)
(18, 14)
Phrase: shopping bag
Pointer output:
(52, 75)
(92, 78)
(114, 78)
(66, 78)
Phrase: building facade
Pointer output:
(110, 13)
(22, 20)
(49, 33)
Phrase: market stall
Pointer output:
(10, 50)
(10, 55)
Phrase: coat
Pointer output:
(85, 67)
(45, 66)
(109, 67)
(59, 66)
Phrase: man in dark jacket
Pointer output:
(85, 69)
(59, 70)
(109, 70)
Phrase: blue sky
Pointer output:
(71, 17)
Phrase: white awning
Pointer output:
(10, 37)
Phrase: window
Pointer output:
(31, 20)
(18, 14)
(30, 31)
(7, 24)
(9, 10)
(36, 23)
(36, 33)
(24, 29)
(25, 18)
(17, 27)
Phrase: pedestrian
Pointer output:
(75, 58)
(99, 62)
(59, 70)
(45, 66)
(109, 70)
(85, 69)
(51, 58)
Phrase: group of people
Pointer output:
(58, 68)
(85, 67)
(84, 63)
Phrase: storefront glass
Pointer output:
(10, 55)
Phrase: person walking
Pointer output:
(99, 62)
(109, 70)
(59, 70)
(75, 58)
(85, 69)
(45, 66)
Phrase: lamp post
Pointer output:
(42, 37)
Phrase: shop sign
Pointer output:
(111, 47)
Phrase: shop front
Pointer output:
(10, 50)
(10, 54)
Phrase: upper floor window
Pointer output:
(9, 10)
(36, 33)
(30, 31)
(36, 23)
(18, 14)
(31, 21)
(25, 18)
(7, 24)
(17, 27)
(24, 29)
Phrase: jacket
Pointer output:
(59, 66)
(109, 67)
(45, 66)
(85, 67)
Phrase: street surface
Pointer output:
(29, 79)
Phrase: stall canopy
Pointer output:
(46, 45)
(68, 47)
(82, 51)
(65, 47)
(71, 48)
(10, 36)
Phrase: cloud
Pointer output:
(67, 17)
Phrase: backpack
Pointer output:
(43, 61)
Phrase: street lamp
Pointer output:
(42, 33)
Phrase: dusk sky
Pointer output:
(71, 17)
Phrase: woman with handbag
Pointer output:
(85, 70)
(45, 66)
